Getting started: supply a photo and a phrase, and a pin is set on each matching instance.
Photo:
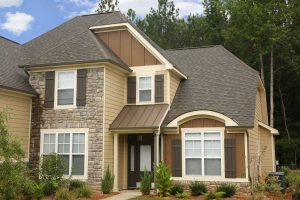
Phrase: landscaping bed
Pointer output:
(95, 196)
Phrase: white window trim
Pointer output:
(202, 177)
(56, 106)
(138, 90)
(56, 132)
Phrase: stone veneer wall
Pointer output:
(88, 116)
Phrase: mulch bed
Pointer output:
(95, 196)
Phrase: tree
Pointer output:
(107, 6)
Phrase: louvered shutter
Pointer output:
(49, 89)
(159, 88)
(230, 158)
(81, 87)
(176, 158)
(131, 89)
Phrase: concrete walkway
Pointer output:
(124, 195)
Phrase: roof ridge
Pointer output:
(91, 14)
(9, 40)
(188, 48)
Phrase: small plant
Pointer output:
(198, 188)
(52, 170)
(163, 179)
(214, 195)
(83, 192)
(227, 188)
(38, 191)
(177, 188)
(294, 181)
(64, 194)
(182, 195)
(75, 184)
(146, 183)
(273, 185)
(107, 182)
(285, 169)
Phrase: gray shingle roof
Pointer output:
(11, 76)
(217, 81)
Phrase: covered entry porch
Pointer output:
(137, 143)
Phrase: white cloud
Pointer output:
(17, 23)
(10, 3)
(141, 7)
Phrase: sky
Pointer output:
(23, 20)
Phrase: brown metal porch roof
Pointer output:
(140, 117)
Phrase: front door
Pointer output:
(140, 157)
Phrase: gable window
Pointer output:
(71, 146)
(65, 88)
(145, 89)
(203, 155)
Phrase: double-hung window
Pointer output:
(65, 88)
(203, 153)
(145, 91)
(71, 146)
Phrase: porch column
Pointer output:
(116, 162)
(156, 148)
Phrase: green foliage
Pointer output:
(294, 181)
(107, 6)
(228, 188)
(146, 183)
(273, 185)
(286, 170)
(83, 192)
(51, 172)
(64, 194)
(182, 195)
(177, 188)
(12, 168)
(38, 191)
(259, 187)
(163, 179)
(75, 184)
(214, 195)
(198, 188)
(107, 182)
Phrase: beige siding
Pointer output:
(266, 145)
(174, 83)
(18, 107)
(115, 94)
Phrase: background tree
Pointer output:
(107, 6)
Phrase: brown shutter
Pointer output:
(159, 88)
(49, 90)
(176, 158)
(131, 89)
(230, 158)
(81, 87)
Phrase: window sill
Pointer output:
(210, 178)
(65, 107)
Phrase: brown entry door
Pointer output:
(140, 156)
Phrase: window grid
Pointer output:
(202, 138)
(146, 86)
(70, 154)
(60, 86)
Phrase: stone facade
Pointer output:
(88, 116)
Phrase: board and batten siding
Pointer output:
(18, 107)
(129, 49)
(174, 83)
(115, 99)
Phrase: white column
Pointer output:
(156, 148)
(246, 156)
(161, 147)
(116, 162)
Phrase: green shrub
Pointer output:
(177, 188)
(107, 182)
(12, 168)
(83, 192)
(182, 195)
(214, 195)
(64, 194)
(227, 188)
(273, 185)
(259, 187)
(163, 179)
(285, 169)
(146, 183)
(75, 184)
(198, 188)
(51, 172)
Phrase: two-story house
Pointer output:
(109, 96)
